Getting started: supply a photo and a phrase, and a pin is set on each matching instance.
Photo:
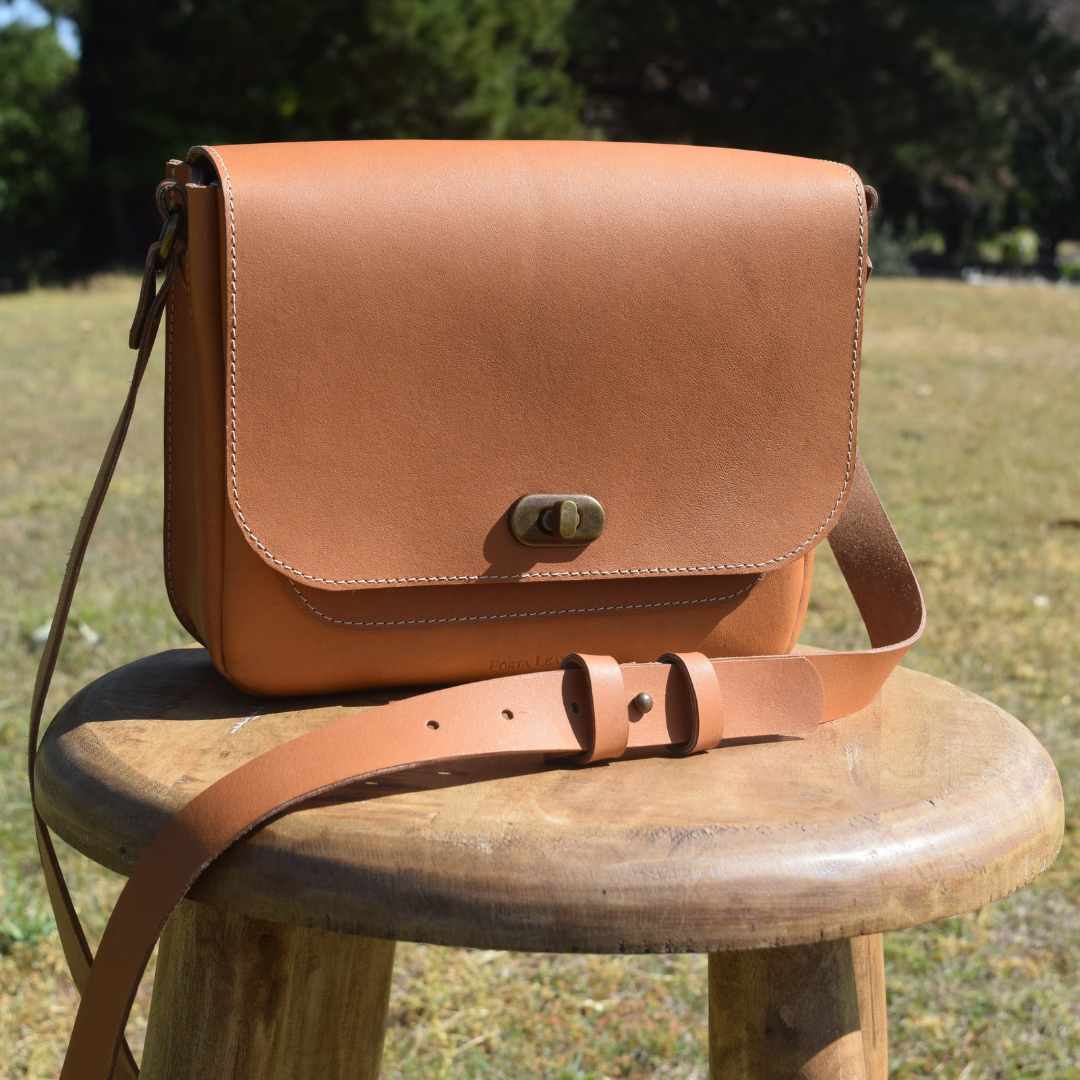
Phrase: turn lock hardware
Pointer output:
(556, 520)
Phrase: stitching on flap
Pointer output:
(544, 574)
(526, 614)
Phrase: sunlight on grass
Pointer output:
(969, 428)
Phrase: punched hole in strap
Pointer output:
(706, 702)
(611, 716)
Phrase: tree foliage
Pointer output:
(965, 115)
(159, 78)
(43, 150)
(959, 113)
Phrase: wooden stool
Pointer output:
(929, 803)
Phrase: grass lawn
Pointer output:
(970, 428)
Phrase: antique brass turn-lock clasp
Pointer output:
(556, 520)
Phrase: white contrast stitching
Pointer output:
(526, 614)
(545, 574)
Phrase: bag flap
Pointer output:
(417, 334)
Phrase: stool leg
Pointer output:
(780, 1014)
(245, 999)
(338, 1002)
(868, 956)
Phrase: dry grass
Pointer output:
(969, 428)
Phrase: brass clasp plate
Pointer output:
(556, 520)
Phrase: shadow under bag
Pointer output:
(516, 417)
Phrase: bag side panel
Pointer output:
(179, 538)
(273, 647)
(194, 422)
(804, 599)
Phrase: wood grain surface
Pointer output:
(247, 999)
(930, 802)
(812, 1012)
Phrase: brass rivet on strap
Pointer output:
(643, 703)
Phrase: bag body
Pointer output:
(376, 349)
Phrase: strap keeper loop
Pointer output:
(611, 714)
(706, 702)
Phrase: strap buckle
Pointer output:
(171, 204)
(168, 236)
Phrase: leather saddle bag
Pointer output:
(378, 349)
(443, 413)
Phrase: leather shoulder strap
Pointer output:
(757, 696)
(76, 948)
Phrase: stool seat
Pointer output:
(930, 802)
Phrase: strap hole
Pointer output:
(433, 724)
(575, 707)
(507, 714)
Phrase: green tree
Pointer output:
(43, 153)
(1044, 167)
(965, 115)
(932, 102)
(158, 78)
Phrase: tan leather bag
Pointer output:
(444, 412)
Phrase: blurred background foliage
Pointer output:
(43, 157)
(964, 115)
